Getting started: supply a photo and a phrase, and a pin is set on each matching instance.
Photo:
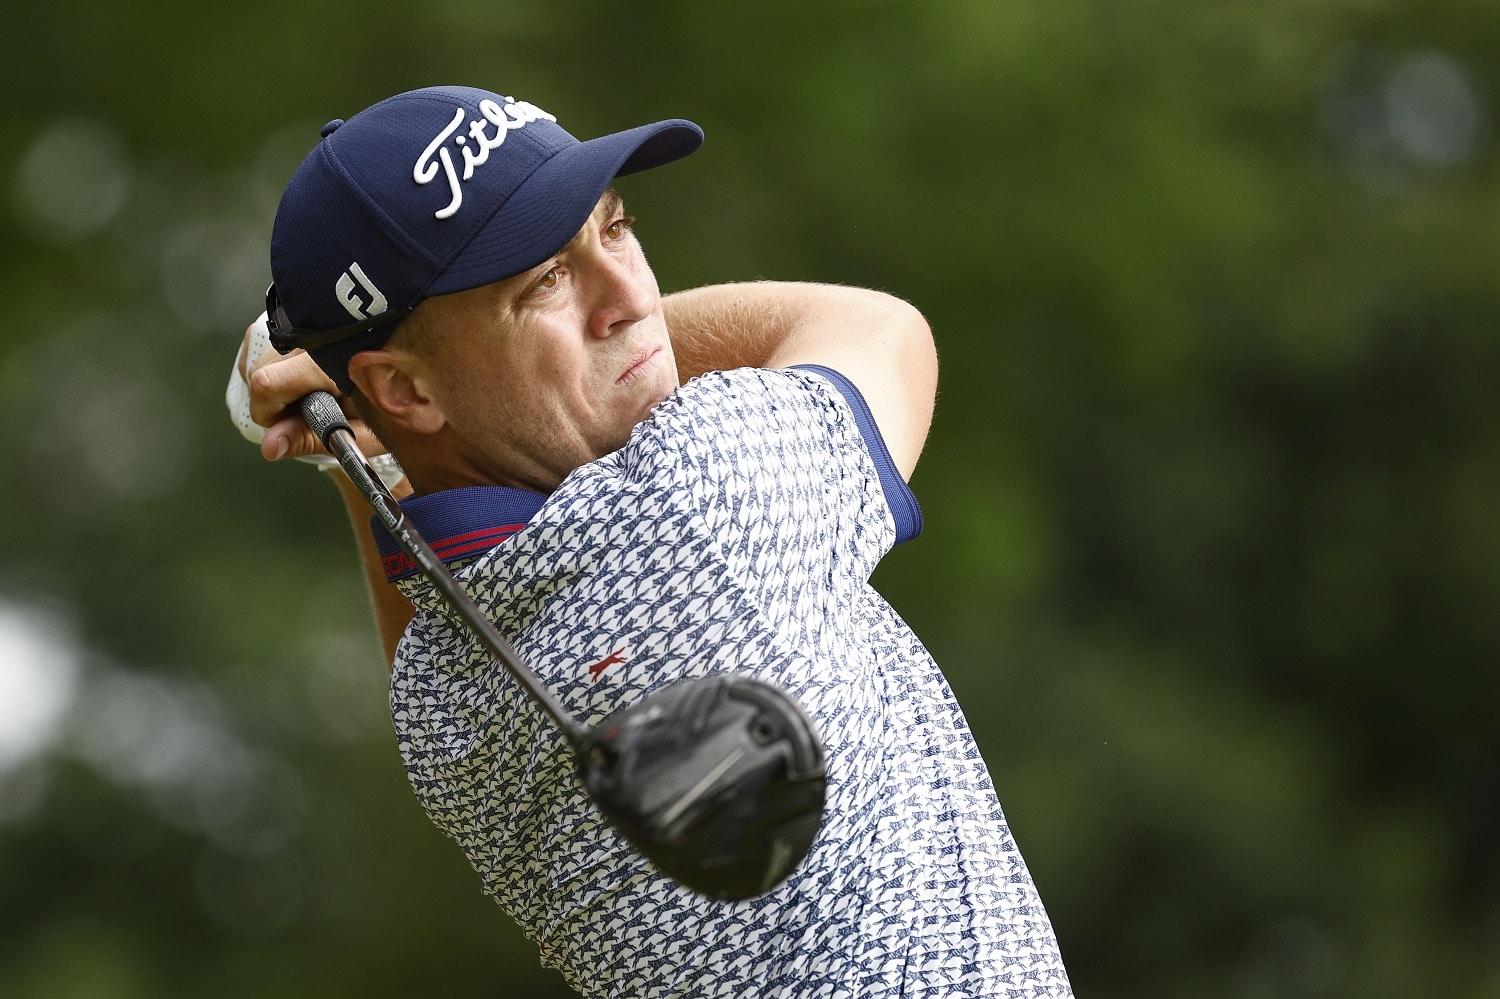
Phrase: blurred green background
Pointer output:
(1212, 552)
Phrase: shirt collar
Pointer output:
(458, 524)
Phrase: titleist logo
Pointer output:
(503, 118)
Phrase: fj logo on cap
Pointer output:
(354, 304)
(513, 114)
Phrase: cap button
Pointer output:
(331, 127)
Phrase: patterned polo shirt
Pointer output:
(736, 531)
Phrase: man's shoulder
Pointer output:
(743, 400)
(722, 437)
(747, 382)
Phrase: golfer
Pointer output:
(638, 488)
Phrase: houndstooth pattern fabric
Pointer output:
(736, 531)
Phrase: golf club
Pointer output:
(718, 780)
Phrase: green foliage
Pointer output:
(1212, 550)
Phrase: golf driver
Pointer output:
(717, 780)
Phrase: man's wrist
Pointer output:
(385, 465)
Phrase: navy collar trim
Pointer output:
(458, 524)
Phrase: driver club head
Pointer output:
(719, 781)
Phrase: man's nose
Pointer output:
(625, 293)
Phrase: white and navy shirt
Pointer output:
(736, 531)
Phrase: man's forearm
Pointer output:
(879, 342)
(726, 326)
(392, 610)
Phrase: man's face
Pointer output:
(546, 371)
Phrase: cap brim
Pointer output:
(550, 206)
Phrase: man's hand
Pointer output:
(275, 384)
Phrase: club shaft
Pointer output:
(327, 420)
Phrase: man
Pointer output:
(510, 347)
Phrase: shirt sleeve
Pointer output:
(905, 509)
(775, 466)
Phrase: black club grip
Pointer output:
(322, 413)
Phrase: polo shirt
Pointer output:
(735, 531)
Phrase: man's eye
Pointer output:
(547, 280)
(619, 227)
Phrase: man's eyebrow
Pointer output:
(609, 204)
(610, 201)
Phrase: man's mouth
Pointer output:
(642, 360)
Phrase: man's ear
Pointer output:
(394, 384)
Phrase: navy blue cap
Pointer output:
(430, 192)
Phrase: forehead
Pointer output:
(609, 203)
(441, 311)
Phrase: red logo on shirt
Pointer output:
(612, 659)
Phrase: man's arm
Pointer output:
(392, 610)
(880, 343)
(275, 384)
